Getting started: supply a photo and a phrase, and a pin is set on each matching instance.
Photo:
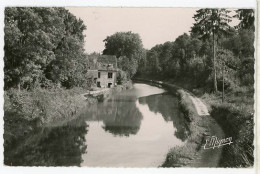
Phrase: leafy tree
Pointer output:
(128, 65)
(227, 65)
(70, 64)
(194, 47)
(142, 62)
(247, 19)
(126, 44)
(241, 43)
(211, 22)
(123, 44)
(246, 72)
(180, 50)
(28, 47)
(153, 63)
(165, 58)
(40, 42)
(121, 77)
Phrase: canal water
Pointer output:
(134, 128)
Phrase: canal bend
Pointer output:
(134, 128)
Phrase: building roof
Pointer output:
(109, 70)
(107, 59)
(103, 62)
(92, 73)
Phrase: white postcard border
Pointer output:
(121, 3)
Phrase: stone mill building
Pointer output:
(102, 70)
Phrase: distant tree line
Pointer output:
(213, 49)
(45, 47)
(211, 46)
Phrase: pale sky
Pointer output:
(154, 25)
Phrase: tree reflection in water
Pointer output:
(65, 145)
(168, 106)
(119, 114)
(51, 146)
(125, 119)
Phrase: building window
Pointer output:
(98, 84)
(98, 74)
(110, 75)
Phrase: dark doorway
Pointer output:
(109, 85)
(98, 84)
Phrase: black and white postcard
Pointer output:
(166, 87)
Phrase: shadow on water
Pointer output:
(50, 146)
(168, 106)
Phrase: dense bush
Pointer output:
(239, 125)
(46, 105)
(121, 77)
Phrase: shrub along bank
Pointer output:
(26, 110)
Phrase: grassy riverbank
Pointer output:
(183, 155)
(235, 116)
(25, 111)
(192, 153)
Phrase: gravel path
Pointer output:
(200, 106)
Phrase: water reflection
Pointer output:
(168, 106)
(135, 128)
(52, 146)
(119, 115)
(129, 132)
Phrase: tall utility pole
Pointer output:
(214, 65)
(223, 81)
